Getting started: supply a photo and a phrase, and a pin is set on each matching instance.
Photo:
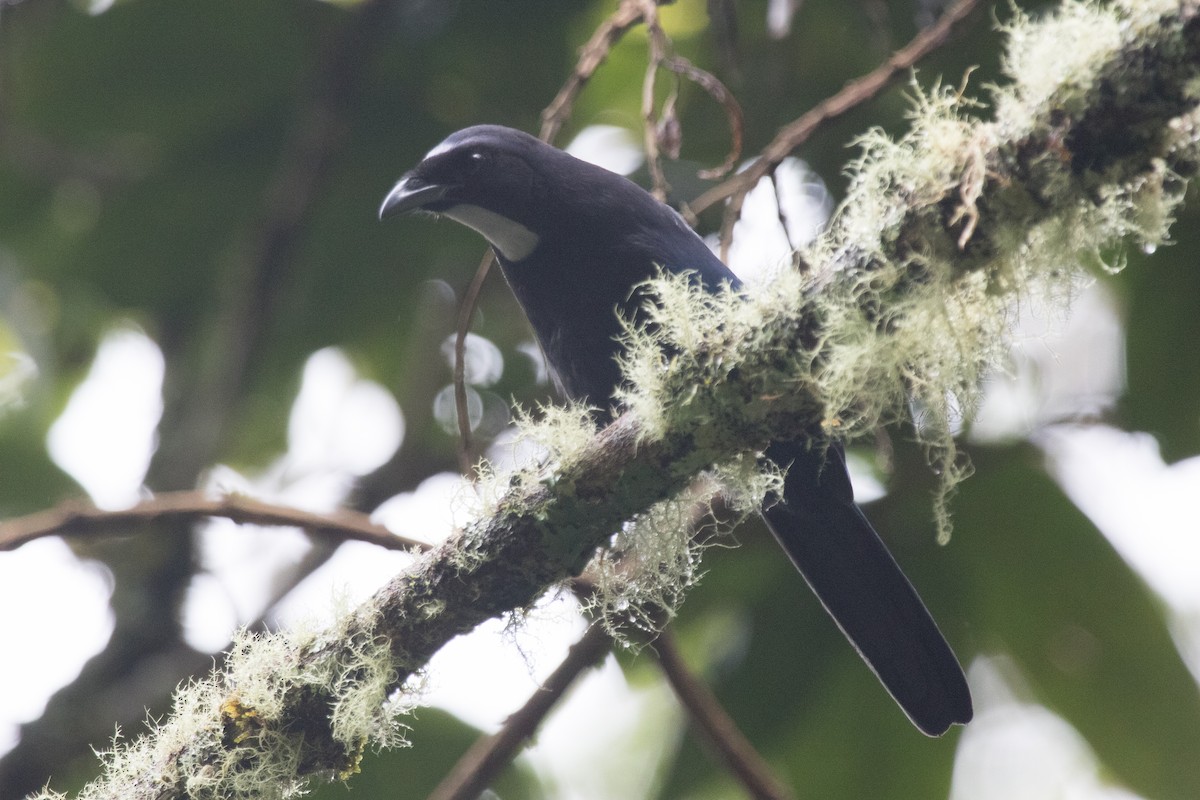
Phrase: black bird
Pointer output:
(573, 240)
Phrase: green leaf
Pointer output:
(438, 740)
(1163, 395)
(1044, 586)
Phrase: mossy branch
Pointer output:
(908, 294)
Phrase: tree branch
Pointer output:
(716, 727)
(894, 303)
(74, 518)
(476, 770)
(797, 132)
(591, 56)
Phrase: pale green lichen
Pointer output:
(910, 333)
(643, 576)
(224, 736)
(903, 331)
(906, 332)
(887, 346)
(1053, 59)
(560, 431)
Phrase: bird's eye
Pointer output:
(469, 162)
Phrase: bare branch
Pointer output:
(480, 765)
(466, 310)
(856, 93)
(716, 727)
(75, 518)
(659, 46)
(591, 56)
(1119, 154)
(719, 92)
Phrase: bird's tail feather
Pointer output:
(863, 589)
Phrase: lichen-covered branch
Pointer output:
(908, 295)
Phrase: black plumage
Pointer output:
(574, 240)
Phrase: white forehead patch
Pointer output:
(444, 147)
(511, 239)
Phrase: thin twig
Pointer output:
(659, 45)
(480, 765)
(466, 458)
(664, 133)
(716, 727)
(795, 133)
(554, 116)
(83, 518)
(591, 56)
(780, 212)
(733, 110)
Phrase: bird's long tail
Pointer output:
(861, 586)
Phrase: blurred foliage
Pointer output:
(210, 172)
(437, 739)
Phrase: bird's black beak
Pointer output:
(410, 194)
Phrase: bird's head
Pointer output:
(490, 178)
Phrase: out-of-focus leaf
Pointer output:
(29, 480)
(1043, 585)
(411, 773)
(1162, 294)
(797, 689)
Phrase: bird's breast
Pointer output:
(575, 303)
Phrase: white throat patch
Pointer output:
(512, 239)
